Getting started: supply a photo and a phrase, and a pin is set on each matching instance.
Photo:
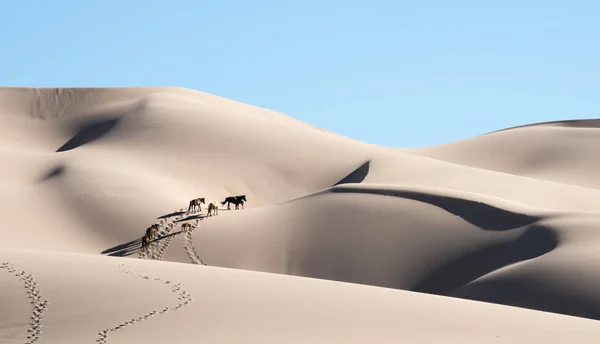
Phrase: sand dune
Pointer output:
(563, 152)
(89, 295)
(340, 240)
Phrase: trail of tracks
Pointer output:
(39, 305)
(156, 248)
(188, 243)
(183, 296)
(159, 249)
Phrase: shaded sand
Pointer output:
(422, 245)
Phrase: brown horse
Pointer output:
(151, 231)
(196, 203)
(186, 227)
(213, 209)
(145, 242)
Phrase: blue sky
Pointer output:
(395, 73)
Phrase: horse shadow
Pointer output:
(133, 246)
(175, 213)
(167, 236)
(123, 250)
(191, 217)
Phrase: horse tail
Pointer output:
(225, 201)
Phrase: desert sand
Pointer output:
(491, 239)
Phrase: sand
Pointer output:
(491, 239)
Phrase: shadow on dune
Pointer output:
(192, 217)
(166, 236)
(572, 123)
(124, 253)
(479, 214)
(166, 216)
(125, 249)
(169, 235)
(133, 246)
(514, 291)
(90, 131)
(535, 242)
(53, 173)
(356, 176)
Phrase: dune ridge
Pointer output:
(488, 239)
(562, 151)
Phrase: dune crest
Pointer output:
(338, 241)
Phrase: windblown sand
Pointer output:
(492, 239)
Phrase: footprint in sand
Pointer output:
(183, 296)
(188, 243)
(155, 250)
(38, 304)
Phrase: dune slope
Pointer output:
(563, 152)
(117, 300)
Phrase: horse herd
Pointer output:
(213, 209)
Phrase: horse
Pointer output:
(186, 227)
(151, 231)
(237, 200)
(196, 203)
(213, 209)
(145, 242)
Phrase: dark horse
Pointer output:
(151, 231)
(237, 200)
